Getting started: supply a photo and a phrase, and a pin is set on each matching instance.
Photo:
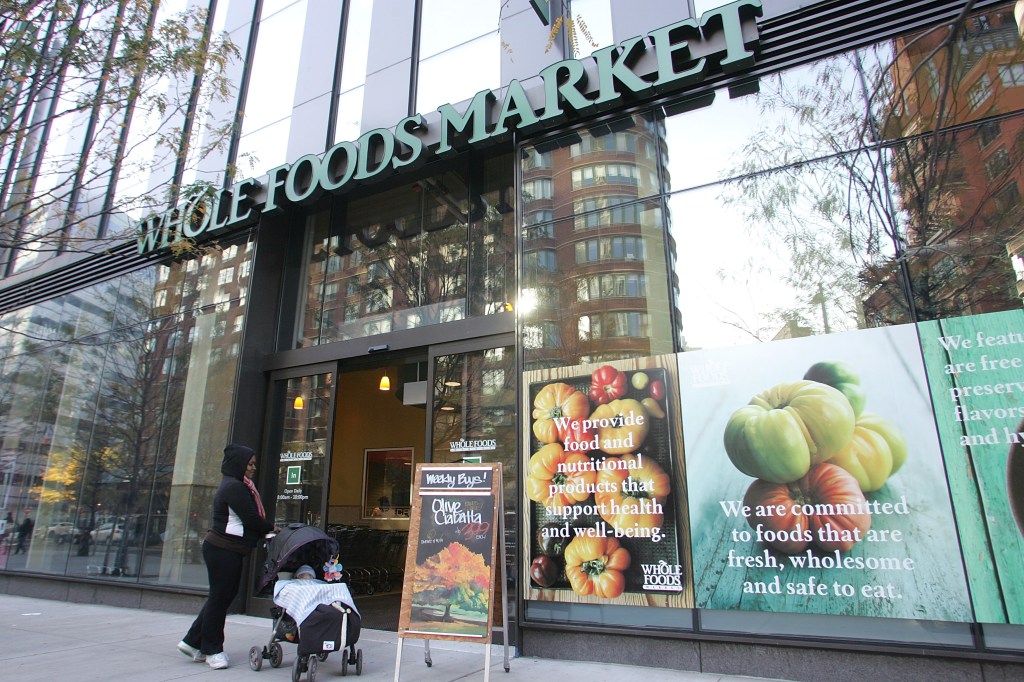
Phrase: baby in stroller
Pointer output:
(319, 616)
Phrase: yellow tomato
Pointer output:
(555, 479)
(595, 565)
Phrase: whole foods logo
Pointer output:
(662, 577)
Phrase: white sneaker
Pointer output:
(217, 661)
(191, 652)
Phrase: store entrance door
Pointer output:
(296, 464)
(344, 459)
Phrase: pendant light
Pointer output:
(299, 403)
(385, 382)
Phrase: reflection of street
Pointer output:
(64, 559)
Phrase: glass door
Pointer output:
(304, 452)
(295, 464)
(473, 419)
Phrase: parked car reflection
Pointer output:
(109, 531)
(64, 531)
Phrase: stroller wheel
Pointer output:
(359, 661)
(311, 666)
(297, 669)
(255, 658)
(344, 666)
(276, 655)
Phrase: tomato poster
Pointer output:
(816, 479)
(976, 372)
(448, 590)
(604, 487)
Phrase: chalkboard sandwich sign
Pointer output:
(449, 572)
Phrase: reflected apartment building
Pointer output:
(959, 189)
(594, 287)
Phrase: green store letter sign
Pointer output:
(719, 32)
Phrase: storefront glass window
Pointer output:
(853, 228)
(863, 230)
(114, 429)
(474, 411)
(492, 240)
(593, 285)
(429, 252)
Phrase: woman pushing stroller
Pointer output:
(239, 521)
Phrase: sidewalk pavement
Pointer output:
(54, 640)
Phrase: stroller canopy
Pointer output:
(295, 545)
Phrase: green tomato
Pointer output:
(840, 376)
(876, 452)
(787, 429)
(639, 380)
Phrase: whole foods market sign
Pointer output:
(665, 60)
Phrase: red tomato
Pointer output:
(577, 438)
(607, 384)
(657, 389)
(820, 508)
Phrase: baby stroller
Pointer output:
(323, 613)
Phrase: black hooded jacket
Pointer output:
(236, 517)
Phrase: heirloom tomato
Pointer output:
(653, 408)
(658, 389)
(639, 380)
(543, 571)
(555, 479)
(607, 384)
(556, 404)
(549, 543)
(825, 502)
(595, 565)
(579, 436)
(787, 429)
(622, 426)
(841, 377)
(632, 487)
(876, 451)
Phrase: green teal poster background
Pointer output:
(976, 372)
(909, 566)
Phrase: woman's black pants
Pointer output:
(224, 569)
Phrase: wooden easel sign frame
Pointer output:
(455, 527)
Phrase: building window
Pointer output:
(611, 285)
(535, 159)
(979, 92)
(541, 335)
(454, 34)
(1011, 75)
(988, 133)
(610, 248)
(997, 164)
(539, 188)
(1007, 198)
(605, 173)
(538, 217)
(543, 259)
